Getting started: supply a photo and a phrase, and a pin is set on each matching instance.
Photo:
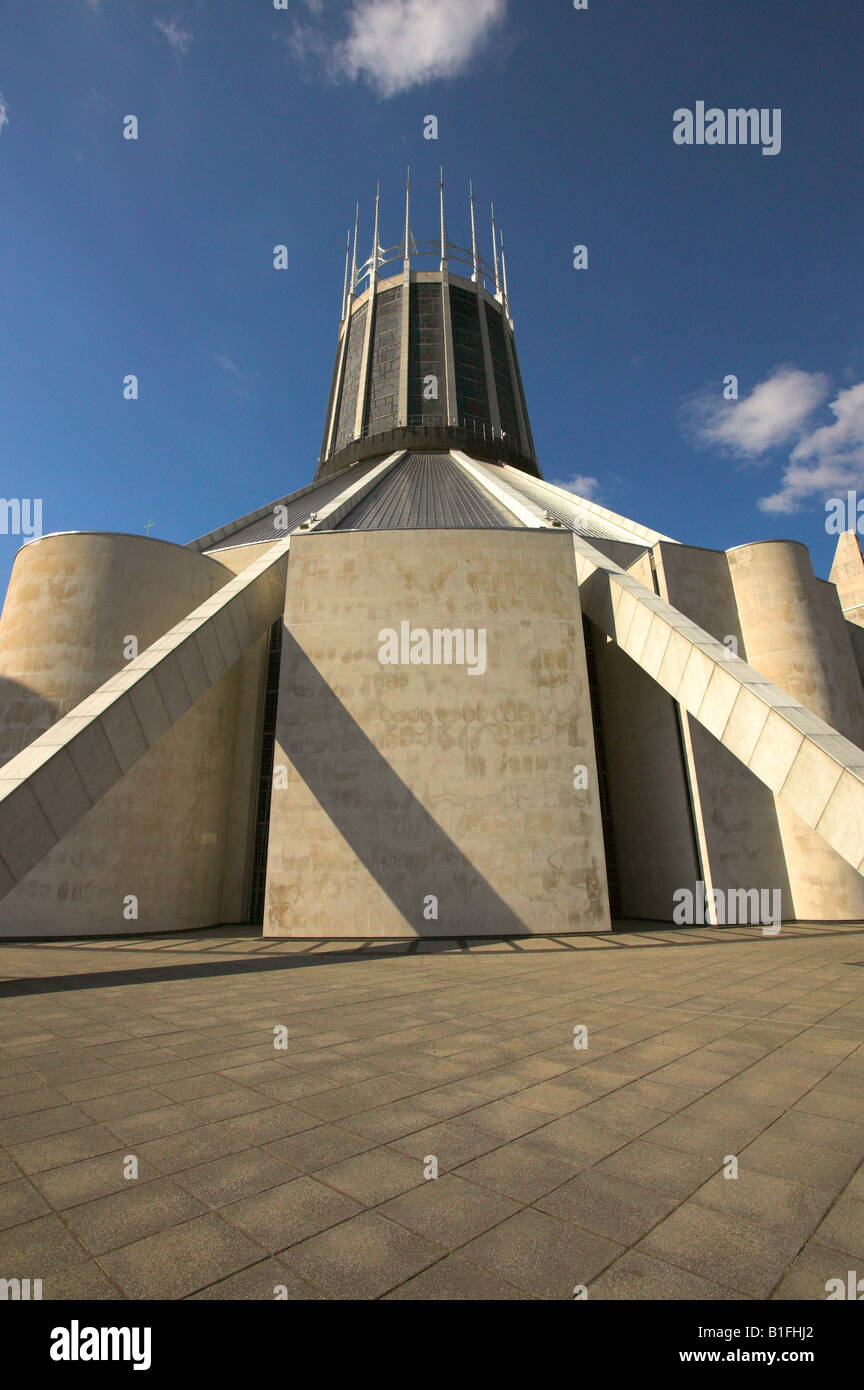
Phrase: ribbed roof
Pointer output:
(424, 491)
(427, 490)
(576, 513)
(260, 525)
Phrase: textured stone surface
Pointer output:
(405, 781)
(84, 807)
(794, 632)
(813, 766)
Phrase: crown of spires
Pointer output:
(442, 248)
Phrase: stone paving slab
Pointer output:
(315, 1120)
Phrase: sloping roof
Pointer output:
(577, 513)
(427, 490)
(260, 525)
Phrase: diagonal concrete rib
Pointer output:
(52, 784)
(806, 763)
(48, 787)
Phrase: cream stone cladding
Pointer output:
(246, 753)
(237, 558)
(408, 783)
(160, 833)
(839, 638)
(245, 768)
(647, 788)
(795, 635)
(855, 633)
(736, 820)
(847, 572)
(73, 601)
(652, 826)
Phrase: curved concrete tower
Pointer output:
(149, 849)
(794, 633)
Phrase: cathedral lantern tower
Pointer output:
(426, 358)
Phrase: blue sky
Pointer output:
(260, 127)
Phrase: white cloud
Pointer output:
(4, 112)
(180, 40)
(311, 41)
(582, 485)
(394, 45)
(827, 461)
(775, 412)
(397, 44)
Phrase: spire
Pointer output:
(443, 226)
(495, 253)
(345, 281)
(354, 257)
(408, 217)
(476, 272)
(374, 262)
(504, 272)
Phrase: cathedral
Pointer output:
(429, 693)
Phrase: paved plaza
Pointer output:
(303, 1171)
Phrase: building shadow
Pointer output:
(24, 715)
(390, 831)
(369, 952)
